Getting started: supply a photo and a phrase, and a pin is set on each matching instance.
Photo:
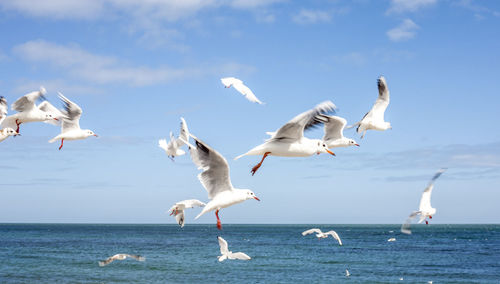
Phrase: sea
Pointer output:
(69, 253)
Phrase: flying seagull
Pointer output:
(227, 254)
(121, 256)
(178, 209)
(320, 235)
(240, 87)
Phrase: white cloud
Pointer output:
(405, 31)
(58, 9)
(101, 69)
(57, 85)
(402, 6)
(245, 4)
(311, 17)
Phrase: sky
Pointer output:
(136, 67)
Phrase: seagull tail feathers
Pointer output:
(53, 140)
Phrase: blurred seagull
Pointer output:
(374, 119)
(347, 274)
(58, 115)
(215, 178)
(70, 129)
(3, 109)
(334, 133)
(320, 235)
(6, 132)
(289, 140)
(178, 209)
(240, 87)
(391, 240)
(424, 209)
(227, 254)
(172, 148)
(121, 256)
(27, 110)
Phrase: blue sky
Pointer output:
(136, 68)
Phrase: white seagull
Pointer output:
(172, 148)
(347, 274)
(289, 140)
(3, 109)
(374, 119)
(320, 235)
(178, 209)
(6, 132)
(334, 133)
(391, 240)
(215, 179)
(227, 254)
(27, 110)
(240, 87)
(424, 209)
(58, 115)
(121, 256)
(70, 129)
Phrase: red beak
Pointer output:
(96, 135)
(56, 119)
(255, 197)
(357, 145)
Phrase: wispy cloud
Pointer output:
(402, 6)
(305, 16)
(479, 10)
(57, 9)
(246, 4)
(24, 86)
(405, 31)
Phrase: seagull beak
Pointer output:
(255, 197)
(330, 152)
(56, 119)
(96, 135)
(357, 145)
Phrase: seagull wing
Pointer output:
(334, 127)
(239, 255)
(378, 109)
(215, 175)
(405, 228)
(108, 260)
(3, 109)
(27, 102)
(294, 129)
(425, 201)
(47, 107)
(72, 113)
(244, 90)
(136, 257)
(223, 246)
(191, 203)
(335, 236)
(184, 135)
(311, 231)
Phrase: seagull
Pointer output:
(374, 119)
(334, 137)
(227, 254)
(178, 209)
(347, 274)
(391, 240)
(27, 110)
(3, 109)
(215, 178)
(320, 235)
(58, 115)
(240, 87)
(424, 209)
(121, 256)
(172, 148)
(70, 129)
(6, 132)
(289, 140)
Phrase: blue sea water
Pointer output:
(69, 253)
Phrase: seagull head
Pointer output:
(90, 133)
(352, 142)
(9, 131)
(322, 148)
(388, 125)
(49, 116)
(250, 195)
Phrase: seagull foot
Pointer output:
(430, 217)
(256, 167)
(219, 225)
(62, 143)
(426, 222)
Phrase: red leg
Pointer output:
(430, 217)
(17, 130)
(219, 226)
(254, 169)
(427, 223)
(62, 142)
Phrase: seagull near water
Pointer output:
(320, 235)
(70, 128)
(178, 209)
(121, 256)
(374, 119)
(289, 140)
(215, 179)
(172, 148)
(424, 209)
(27, 111)
(227, 254)
(240, 87)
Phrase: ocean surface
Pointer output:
(69, 253)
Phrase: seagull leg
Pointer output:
(430, 217)
(256, 167)
(219, 226)
(62, 142)
(426, 222)
(17, 130)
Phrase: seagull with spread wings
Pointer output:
(178, 209)
(320, 235)
(70, 128)
(240, 87)
(424, 209)
(334, 132)
(374, 119)
(121, 256)
(227, 254)
(289, 140)
(173, 147)
(215, 179)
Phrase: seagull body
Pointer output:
(121, 256)
(3, 109)
(320, 235)
(391, 240)
(374, 119)
(289, 140)
(70, 128)
(172, 148)
(227, 254)
(6, 132)
(215, 179)
(334, 133)
(240, 87)
(425, 209)
(178, 209)
(27, 111)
